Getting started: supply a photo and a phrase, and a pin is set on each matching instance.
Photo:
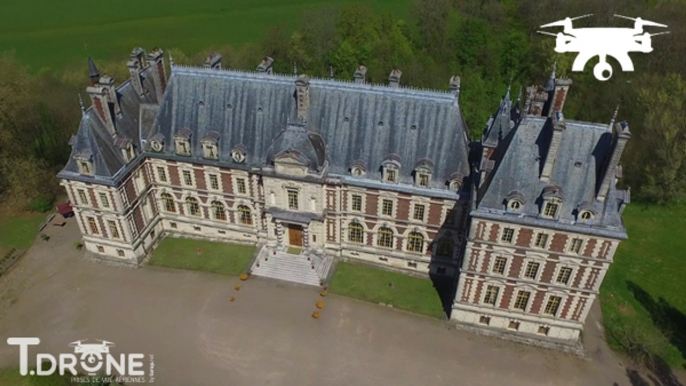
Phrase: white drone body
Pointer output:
(603, 42)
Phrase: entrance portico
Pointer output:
(292, 228)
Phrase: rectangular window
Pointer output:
(292, 199)
(491, 296)
(114, 230)
(104, 201)
(387, 208)
(120, 253)
(513, 325)
(531, 270)
(101, 249)
(564, 275)
(240, 187)
(173, 225)
(93, 226)
(187, 178)
(553, 305)
(543, 330)
(484, 320)
(499, 265)
(575, 247)
(423, 180)
(522, 300)
(541, 240)
(161, 174)
(418, 212)
(214, 182)
(508, 235)
(357, 203)
(82, 197)
(390, 175)
(550, 210)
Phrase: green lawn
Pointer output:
(371, 284)
(221, 258)
(645, 287)
(45, 33)
(19, 231)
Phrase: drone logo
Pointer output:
(603, 42)
(91, 353)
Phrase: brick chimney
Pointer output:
(265, 65)
(107, 83)
(214, 61)
(360, 74)
(455, 86)
(136, 65)
(302, 90)
(621, 137)
(560, 95)
(100, 98)
(559, 127)
(394, 78)
(159, 74)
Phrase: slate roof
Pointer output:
(357, 122)
(92, 135)
(575, 177)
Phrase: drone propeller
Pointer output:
(642, 22)
(75, 344)
(564, 22)
(547, 33)
(105, 343)
(660, 33)
(581, 17)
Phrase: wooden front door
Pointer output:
(295, 235)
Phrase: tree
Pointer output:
(663, 139)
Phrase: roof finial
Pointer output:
(519, 94)
(295, 69)
(614, 117)
(83, 108)
(171, 61)
(93, 71)
(552, 74)
(550, 83)
(331, 72)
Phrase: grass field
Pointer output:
(11, 377)
(18, 231)
(371, 284)
(46, 33)
(644, 288)
(221, 258)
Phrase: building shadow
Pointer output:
(669, 320)
(658, 373)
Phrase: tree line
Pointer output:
(490, 44)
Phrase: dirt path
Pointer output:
(265, 337)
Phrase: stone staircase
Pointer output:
(293, 268)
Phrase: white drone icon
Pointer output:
(601, 42)
(89, 352)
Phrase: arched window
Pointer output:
(218, 210)
(385, 238)
(355, 233)
(244, 215)
(193, 206)
(415, 242)
(168, 201)
(445, 247)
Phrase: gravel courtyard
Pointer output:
(266, 336)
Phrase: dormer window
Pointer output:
(455, 182)
(84, 161)
(182, 141)
(552, 201)
(586, 212)
(129, 153)
(515, 201)
(210, 147)
(391, 168)
(126, 147)
(358, 168)
(239, 153)
(423, 172)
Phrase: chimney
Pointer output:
(265, 65)
(214, 61)
(394, 78)
(136, 65)
(101, 106)
(560, 94)
(455, 86)
(159, 74)
(302, 90)
(112, 99)
(360, 74)
(621, 137)
(559, 127)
